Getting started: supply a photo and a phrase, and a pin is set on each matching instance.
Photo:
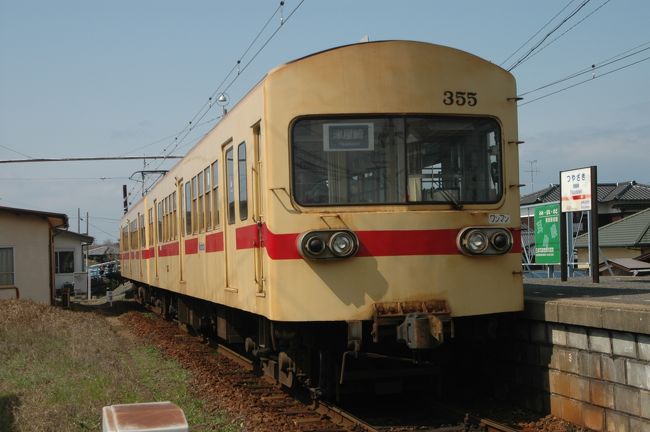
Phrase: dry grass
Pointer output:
(58, 368)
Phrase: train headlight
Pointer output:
(484, 241)
(315, 245)
(501, 241)
(476, 242)
(327, 244)
(343, 244)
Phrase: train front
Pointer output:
(393, 201)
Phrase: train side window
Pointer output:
(125, 238)
(141, 228)
(150, 216)
(188, 209)
(243, 185)
(195, 222)
(208, 204)
(160, 222)
(200, 212)
(215, 193)
(165, 219)
(230, 184)
(174, 216)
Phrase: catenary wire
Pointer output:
(565, 32)
(536, 33)
(547, 35)
(591, 69)
(239, 72)
(584, 81)
(16, 151)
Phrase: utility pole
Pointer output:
(532, 170)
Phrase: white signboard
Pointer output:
(576, 190)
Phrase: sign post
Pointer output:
(579, 192)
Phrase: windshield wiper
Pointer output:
(451, 199)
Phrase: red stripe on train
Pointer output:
(371, 243)
(191, 246)
(214, 242)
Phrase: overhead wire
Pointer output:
(537, 32)
(16, 151)
(207, 106)
(592, 68)
(565, 32)
(548, 34)
(585, 81)
(219, 90)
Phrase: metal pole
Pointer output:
(570, 243)
(563, 238)
(593, 218)
(563, 247)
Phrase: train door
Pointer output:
(230, 229)
(180, 227)
(156, 235)
(141, 244)
(257, 206)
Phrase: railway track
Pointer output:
(320, 416)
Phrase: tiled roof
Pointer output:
(607, 192)
(632, 231)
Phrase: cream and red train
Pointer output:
(350, 206)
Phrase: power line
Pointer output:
(565, 32)
(205, 108)
(85, 159)
(238, 64)
(72, 179)
(536, 33)
(592, 68)
(15, 151)
(547, 35)
(239, 70)
(585, 81)
(113, 235)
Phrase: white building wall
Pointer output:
(65, 242)
(29, 238)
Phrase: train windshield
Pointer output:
(396, 160)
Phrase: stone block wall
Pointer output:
(591, 376)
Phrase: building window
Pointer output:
(6, 266)
(64, 261)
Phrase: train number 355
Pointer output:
(460, 98)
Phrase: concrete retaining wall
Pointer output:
(590, 375)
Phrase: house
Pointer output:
(615, 202)
(627, 239)
(105, 253)
(27, 253)
(69, 266)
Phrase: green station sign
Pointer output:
(547, 234)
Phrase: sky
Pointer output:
(123, 78)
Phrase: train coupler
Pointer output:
(420, 325)
(422, 331)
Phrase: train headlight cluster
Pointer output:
(328, 244)
(484, 241)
